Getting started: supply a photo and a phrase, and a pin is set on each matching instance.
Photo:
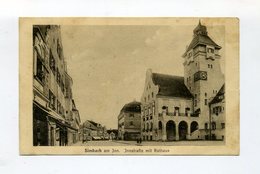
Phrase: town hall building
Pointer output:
(189, 107)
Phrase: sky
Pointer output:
(108, 64)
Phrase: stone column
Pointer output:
(177, 132)
(164, 137)
(188, 132)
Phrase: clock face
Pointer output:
(203, 75)
(200, 75)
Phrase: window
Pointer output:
(213, 124)
(206, 101)
(40, 69)
(190, 54)
(208, 65)
(145, 99)
(152, 94)
(210, 50)
(58, 77)
(176, 110)
(211, 66)
(223, 125)
(131, 123)
(52, 100)
(206, 126)
(165, 109)
(187, 110)
(148, 97)
(131, 115)
(52, 63)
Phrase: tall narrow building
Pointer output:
(202, 72)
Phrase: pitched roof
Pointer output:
(132, 107)
(201, 38)
(219, 97)
(172, 86)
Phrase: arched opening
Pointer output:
(194, 126)
(170, 130)
(183, 130)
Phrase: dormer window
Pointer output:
(210, 50)
(176, 110)
(190, 54)
(165, 109)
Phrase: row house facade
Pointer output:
(179, 108)
(129, 121)
(53, 103)
(91, 130)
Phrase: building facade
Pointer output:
(52, 95)
(93, 131)
(177, 108)
(129, 121)
(217, 115)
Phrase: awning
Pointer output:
(41, 107)
(55, 116)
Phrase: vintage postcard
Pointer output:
(129, 86)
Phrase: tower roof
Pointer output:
(201, 37)
(172, 86)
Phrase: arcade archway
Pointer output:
(194, 126)
(183, 130)
(170, 130)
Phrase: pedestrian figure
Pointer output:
(137, 140)
(140, 141)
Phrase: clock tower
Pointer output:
(202, 73)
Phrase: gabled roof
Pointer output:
(172, 86)
(220, 95)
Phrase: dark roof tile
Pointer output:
(132, 107)
(172, 86)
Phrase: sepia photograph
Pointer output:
(129, 86)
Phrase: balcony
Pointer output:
(174, 114)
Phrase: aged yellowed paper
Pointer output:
(129, 86)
